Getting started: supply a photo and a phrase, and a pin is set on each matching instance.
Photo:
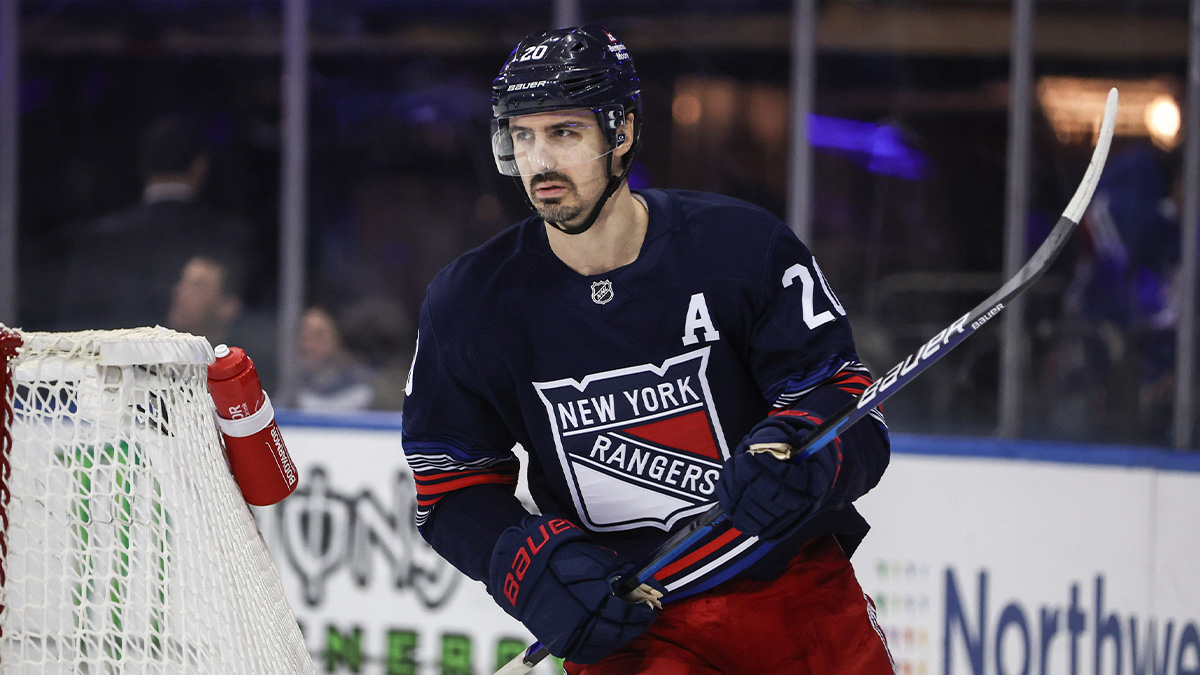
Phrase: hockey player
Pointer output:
(637, 345)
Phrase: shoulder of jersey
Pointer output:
(722, 231)
(710, 210)
(470, 283)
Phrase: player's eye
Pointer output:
(569, 132)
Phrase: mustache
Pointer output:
(550, 177)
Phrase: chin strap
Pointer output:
(614, 182)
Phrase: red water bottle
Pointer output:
(258, 458)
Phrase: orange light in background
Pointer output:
(686, 109)
(1163, 120)
(1074, 106)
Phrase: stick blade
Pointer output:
(1083, 195)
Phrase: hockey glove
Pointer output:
(768, 496)
(552, 578)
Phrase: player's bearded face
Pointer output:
(558, 198)
(561, 157)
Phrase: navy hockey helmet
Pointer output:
(564, 69)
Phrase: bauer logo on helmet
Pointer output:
(528, 85)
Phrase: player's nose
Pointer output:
(541, 159)
(541, 163)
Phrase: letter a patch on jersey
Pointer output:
(639, 446)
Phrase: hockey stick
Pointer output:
(895, 379)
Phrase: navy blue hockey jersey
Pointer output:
(629, 389)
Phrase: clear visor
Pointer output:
(528, 146)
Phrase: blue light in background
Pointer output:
(877, 147)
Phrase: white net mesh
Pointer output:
(129, 547)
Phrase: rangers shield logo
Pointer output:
(602, 292)
(640, 446)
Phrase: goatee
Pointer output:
(556, 212)
(553, 210)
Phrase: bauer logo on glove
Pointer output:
(552, 577)
(524, 556)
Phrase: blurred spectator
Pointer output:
(379, 330)
(331, 379)
(1113, 368)
(207, 300)
(121, 268)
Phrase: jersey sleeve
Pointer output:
(803, 355)
(460, 453)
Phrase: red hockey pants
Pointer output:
(813, 620)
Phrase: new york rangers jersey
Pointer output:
(629, 389)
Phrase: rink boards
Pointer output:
(1006, 557)
(985, 557)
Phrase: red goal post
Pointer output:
(10, 340)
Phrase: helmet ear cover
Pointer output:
(612, 119)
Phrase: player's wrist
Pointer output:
(785, 430)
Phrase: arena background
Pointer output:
(1040, 512)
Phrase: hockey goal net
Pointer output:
(126, 546)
